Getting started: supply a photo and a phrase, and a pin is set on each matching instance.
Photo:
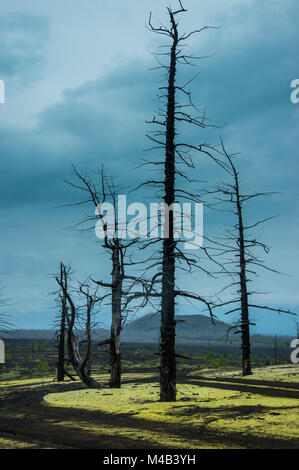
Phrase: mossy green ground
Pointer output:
(214, 409)
(11, 443)
(48, 380)
(201, 407)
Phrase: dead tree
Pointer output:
(124, 288)
(244, 250)
(90, 299)
(61, 331)
(61, 341)
(175, 111)
(61, 344)
(73, 338)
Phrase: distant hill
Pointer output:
(29, 334)
(193, 330)
(99, 334)
(190, 328)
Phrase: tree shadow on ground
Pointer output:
(224, 384)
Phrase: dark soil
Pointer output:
(24, 417)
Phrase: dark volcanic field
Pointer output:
(29, 358)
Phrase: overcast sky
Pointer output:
(79, 89)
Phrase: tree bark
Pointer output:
(246, 349)
(167, 346)
(61, 345)
(114, 352)
(75, 358)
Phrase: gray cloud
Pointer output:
(22, 39)
(246, 84)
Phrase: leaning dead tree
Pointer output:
(72, 312)
(177, 163)
(124, 289)
(86, 314)
(242, 254)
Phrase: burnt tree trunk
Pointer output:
(114, 352)
(88, 336)
(245, 255)
(61, 344)
(74, 355)
(167, 346)
(246, 350)
(117, 249)
(89, 366)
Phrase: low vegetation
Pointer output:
(215, 408)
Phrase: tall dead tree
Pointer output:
(244, 250)
(124, 288)
(174, 112)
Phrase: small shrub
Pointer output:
(43, 366)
